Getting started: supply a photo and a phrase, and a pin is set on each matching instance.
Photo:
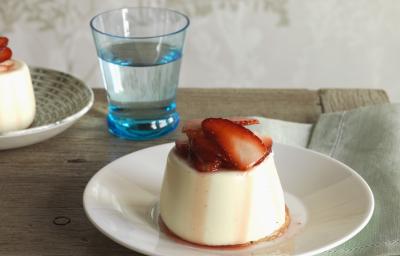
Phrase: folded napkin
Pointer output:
(368, 140)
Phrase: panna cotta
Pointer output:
(221, 186)
(17, 100)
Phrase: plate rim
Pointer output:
(68, 119)
(324, 248)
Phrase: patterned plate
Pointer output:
(61, 100)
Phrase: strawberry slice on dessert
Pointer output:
(3, 41)
(182, 147)
(5, 54)
(206, 166)
(240, 146)
(204, 147)
(205, 152)
(195, 124)
(243, 120)
(268, 143)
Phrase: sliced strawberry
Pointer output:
(206, 166)
(195, 124)
(182, 148)
(3, 41)
(5, 54)
(243, 120)
(267, 140)
(193, 133)
(205, 153)
(240, 146)
(204, 148)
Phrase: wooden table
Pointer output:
(41, 186)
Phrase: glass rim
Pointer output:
(141, 37)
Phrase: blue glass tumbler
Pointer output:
(140, 53)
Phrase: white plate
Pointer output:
(328, 201)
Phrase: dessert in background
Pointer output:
(17, 99)
(221, 186)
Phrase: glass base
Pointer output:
(142, 129)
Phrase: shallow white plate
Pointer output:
(328, 201)
(61, 100)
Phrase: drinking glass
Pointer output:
(140, 53)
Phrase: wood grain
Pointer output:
(294, 105)
(45, 181)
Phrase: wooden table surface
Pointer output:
(41, 186)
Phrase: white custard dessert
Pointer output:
(219, 206)
(17, 100)
(223, 207)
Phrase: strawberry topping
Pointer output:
(267, 142)
(6, 64)
(216, 143)
(5, 54)
(195, 124)
(182, 148)
(244, 121)
(242, 147)
(206, 166)
(3, 41)
(204, 148)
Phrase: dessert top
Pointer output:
(213, 144)
(6, 63)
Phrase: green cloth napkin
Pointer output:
(368, 140)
